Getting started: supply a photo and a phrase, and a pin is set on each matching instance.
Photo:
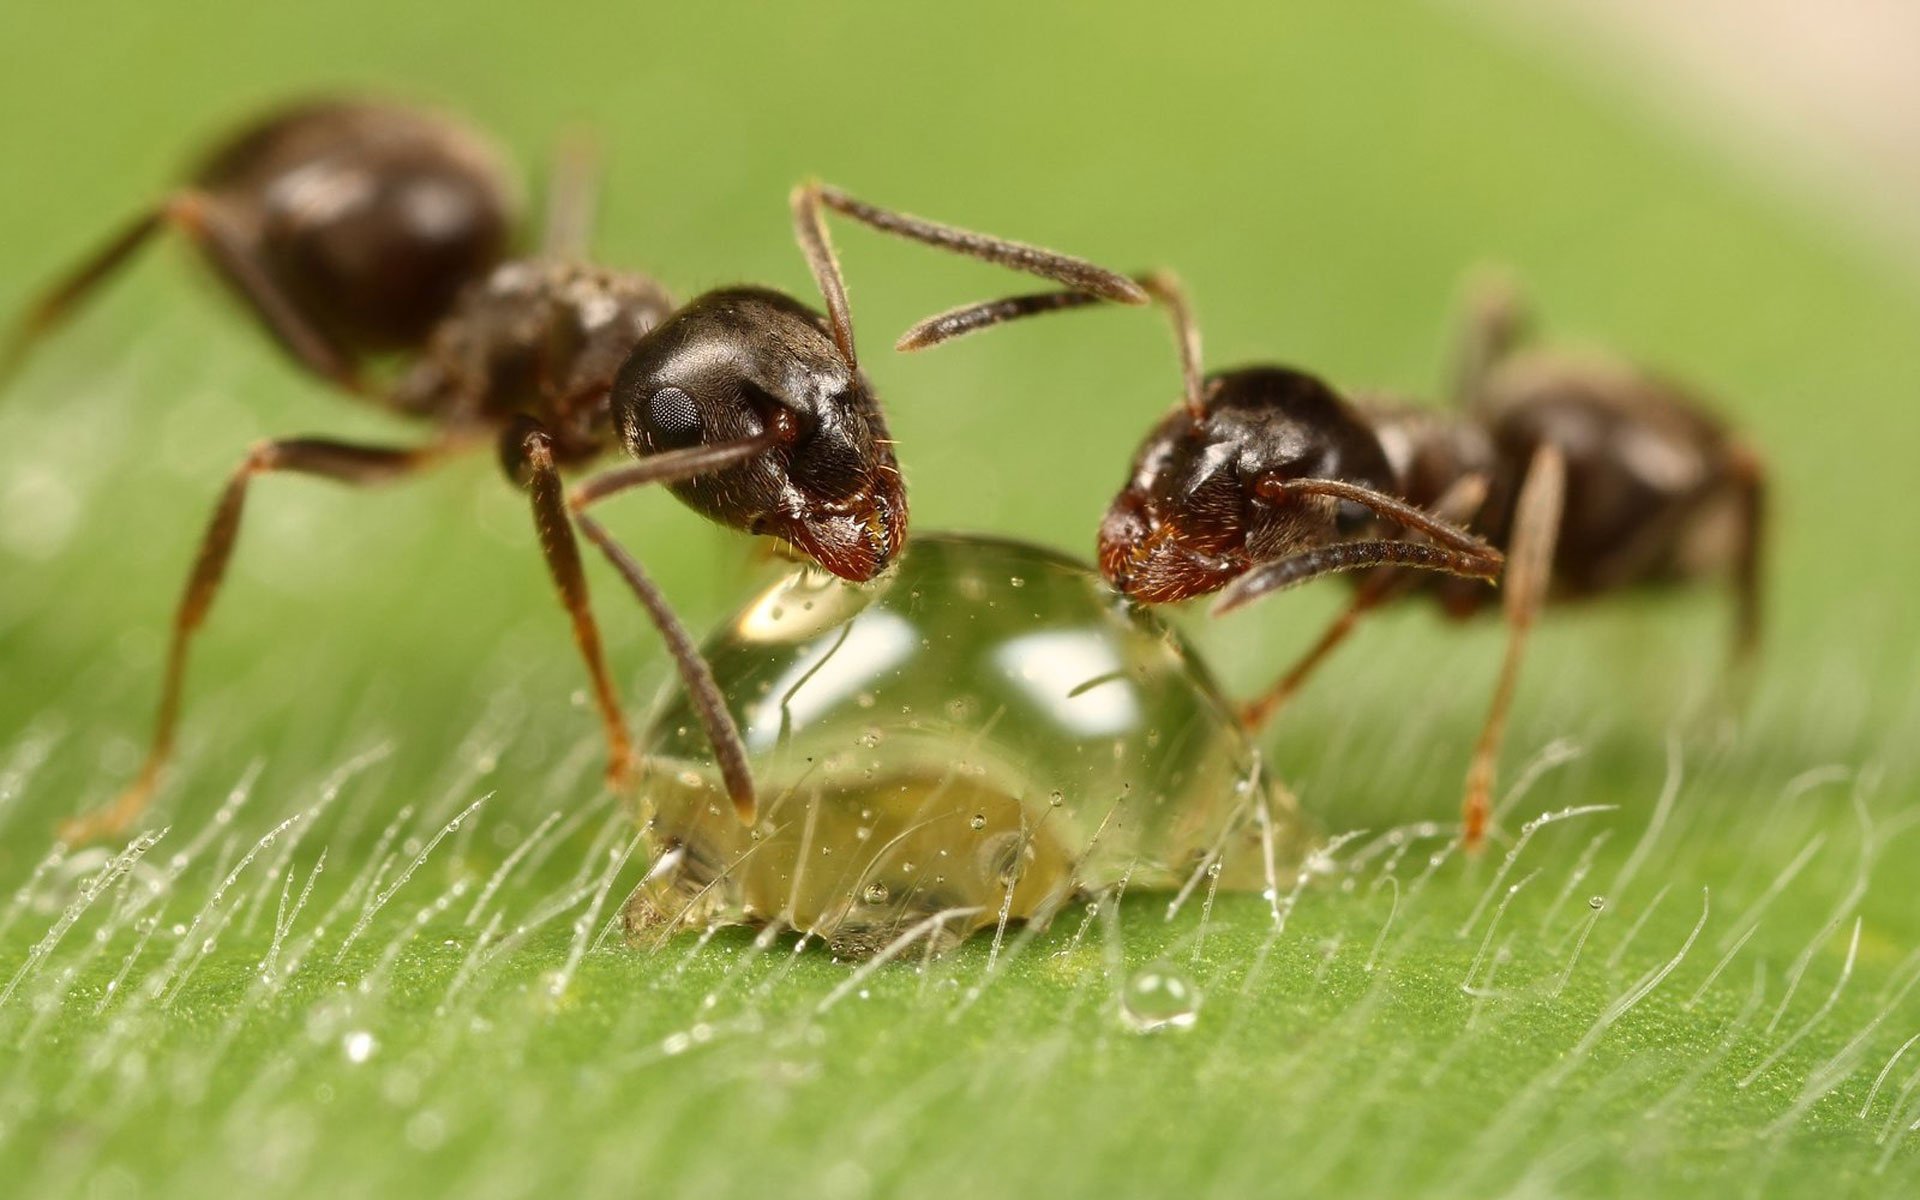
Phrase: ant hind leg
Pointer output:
(204, 222)
(1493, 321)
(342, 462)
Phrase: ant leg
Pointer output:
(573, 195)
(1374, 591)
(1536, 529)
(1750, 475)
(54, 306)
(729, 750)
(342, 462)
(533, 446)
(809, 199)
(202, 220)
(1457, 504)
(1493, 323)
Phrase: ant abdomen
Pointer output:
(369, 217)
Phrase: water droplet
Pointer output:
(426, 1130)
(1159, 997)
(905, 712)
(1596, 903)
(359, 1046)
(875, 893)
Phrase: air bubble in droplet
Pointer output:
(1159, 997)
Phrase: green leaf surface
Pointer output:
(458, 1016)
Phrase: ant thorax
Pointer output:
(537, 338)
(1428, 450)
(983, 736)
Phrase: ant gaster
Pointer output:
(353, 230)
(1591, 476)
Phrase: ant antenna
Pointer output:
(810, 227)
(1162, 287)
(1084, 278)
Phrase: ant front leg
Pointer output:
(343, 462)
(729, 749)
(204, 221)
(1536, 530)
(530, 447)
(1375, 590)
(1457, 505)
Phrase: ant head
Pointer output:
(1201, 504)
(745, 362)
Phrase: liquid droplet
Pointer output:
(1159, 997)
(924, 718)
(359, 1046)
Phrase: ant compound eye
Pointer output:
(673, 419)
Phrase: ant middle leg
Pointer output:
(204, 221)
(1750, 478)
(343, 462)
(1536, 530)
(1493, 322)
(573, 196)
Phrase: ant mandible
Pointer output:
(1591, 475)
(355, 230)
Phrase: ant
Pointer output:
(1586, 475)
(354, 231)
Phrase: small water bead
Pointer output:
(358, 1046)
(1055, 745)
(1158, 997)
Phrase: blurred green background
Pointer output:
(1321, 175)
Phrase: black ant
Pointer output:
(354, 230)
(1590, 474)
